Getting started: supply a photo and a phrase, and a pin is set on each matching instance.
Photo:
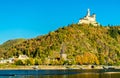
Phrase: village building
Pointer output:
(23, 57)
(89, 19)
(9, 60)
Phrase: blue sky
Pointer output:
(31, 18)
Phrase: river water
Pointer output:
(71, 73)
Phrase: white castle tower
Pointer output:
(89, 19)
(88, 12)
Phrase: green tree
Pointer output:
(29, 61)
(38, 61)
(19, 62)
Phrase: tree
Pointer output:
(38, 61)
(79, 59)
(19, 62)
(29, 61)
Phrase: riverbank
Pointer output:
(31, 67)
(50, 67)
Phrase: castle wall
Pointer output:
(89, 19)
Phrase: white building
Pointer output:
(9, 60)
(89, 19)
(23, 57)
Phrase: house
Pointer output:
(23, 57)
(3, 61)
(9, 60)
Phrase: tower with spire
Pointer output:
(63, 55)
(89, 19)
(88, 12)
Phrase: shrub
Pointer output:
(19, 62)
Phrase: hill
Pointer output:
(7, 45)
(83, 44)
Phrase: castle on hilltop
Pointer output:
(89, 19)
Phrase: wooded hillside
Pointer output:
(83, 44)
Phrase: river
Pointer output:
(70, 73)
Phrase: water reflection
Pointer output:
(69, 74)
(84, 75)
(96, 75)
